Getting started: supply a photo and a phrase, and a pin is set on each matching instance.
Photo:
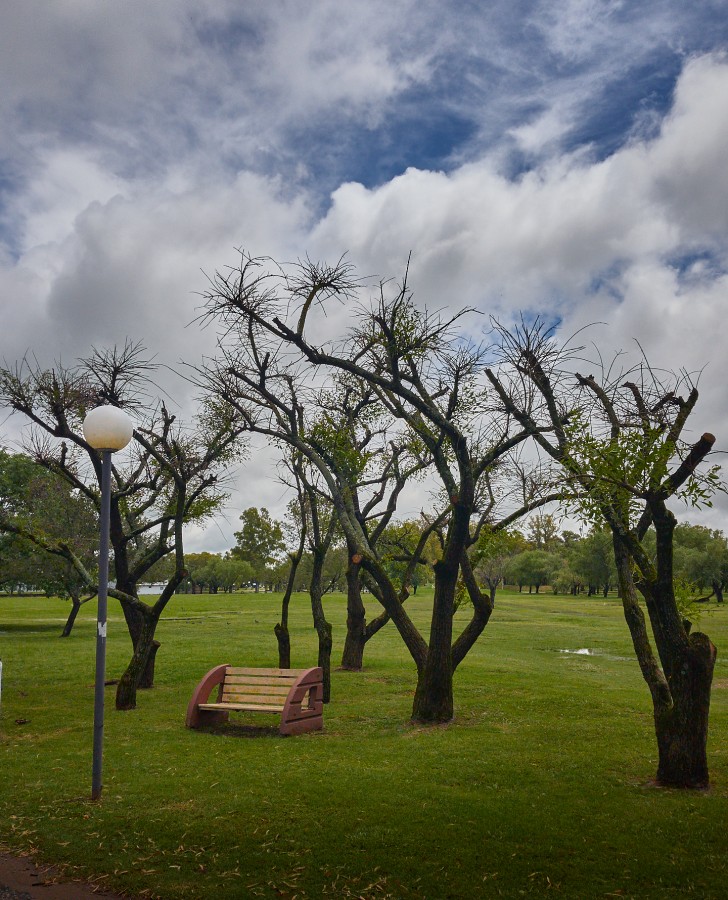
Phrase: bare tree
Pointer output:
(170, 476)
(421, 372)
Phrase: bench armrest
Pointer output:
(214, 678)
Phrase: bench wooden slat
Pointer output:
(284, 673)
(259, 688)
(266, 679)
(277, 683)
(252, 707)
(253, 698)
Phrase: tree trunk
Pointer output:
(135, 622)
(139, 666)
(433, 701)
(682, 731)
(323, 628)
(718, 591)
(284, 646)
(147, 679)
(352, 658)
(281, 629)
(75, 606)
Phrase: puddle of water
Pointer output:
(587, 651)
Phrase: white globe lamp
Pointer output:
(107, 428)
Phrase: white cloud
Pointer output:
(136, 152)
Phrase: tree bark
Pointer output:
(352, 659)
(284, 646)
(147, 677)
(681, 689)
(281, 629)
(682, 730)
(75, 606)
(135, 621)
(433, 701)
(138, 668)
(323, 628)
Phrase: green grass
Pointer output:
(541, 786)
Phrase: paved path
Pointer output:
(21, 879)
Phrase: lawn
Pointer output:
(541, 785)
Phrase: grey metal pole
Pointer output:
(101, 623)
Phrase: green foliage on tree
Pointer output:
(492, 555)
(532, 568)
(214, 572)
(38, 500)
(260, 543)
(398, 544)
(701, 558)
(592, 558)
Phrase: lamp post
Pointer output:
(107, 429)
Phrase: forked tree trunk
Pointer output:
(135, 621)
(681, 697)
(137, 670)
(682, 730)
(358, 631)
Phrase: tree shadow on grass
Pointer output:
(30, 628)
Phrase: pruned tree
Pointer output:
(170, 476)
(620, 440)
(422, 373)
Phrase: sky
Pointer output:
(562, 158)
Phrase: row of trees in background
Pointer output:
(565, 562)
(573, 564)
(500, 430)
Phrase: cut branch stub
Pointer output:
(356, 558)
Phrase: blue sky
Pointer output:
(566, 158)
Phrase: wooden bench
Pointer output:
(294, 693)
